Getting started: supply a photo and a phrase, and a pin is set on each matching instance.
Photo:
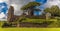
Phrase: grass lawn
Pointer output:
(29, 29)
(37, 20)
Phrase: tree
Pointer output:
(54, 10)
(30, 7)
(47, 10)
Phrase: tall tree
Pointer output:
(30, 7)
(54, 10)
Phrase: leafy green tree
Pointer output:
(30, 7)
(47, 10)
(54, 10)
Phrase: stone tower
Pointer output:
(10, 14)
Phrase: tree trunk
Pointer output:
(30, 12)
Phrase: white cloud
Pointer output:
(17, 10)
(18, 4)
(3, 0)
(2, 15)
(52, 2)
(7, 1)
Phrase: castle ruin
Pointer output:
(11, 17)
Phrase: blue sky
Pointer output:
(48, 3)
(41, 1)
(6, 8)
(41, 7)
(17, 4)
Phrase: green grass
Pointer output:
(1, 23)
(37, 20)
(34, 20)
(32, 29)
(29, 29)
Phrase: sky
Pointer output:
(52, 2)
(19, 3)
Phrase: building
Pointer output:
(11, 17)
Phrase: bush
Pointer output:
(58, 23)
(40, 21)
(48, 22)
(6, 25)
(58, 18)
(44, 23)
(37, 20)
(21, 19)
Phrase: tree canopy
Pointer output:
(54, 10)
(30, 5)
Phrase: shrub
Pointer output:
(58, 23)
(6, 25)
(48, 22)
(21, 19)
(58, 18)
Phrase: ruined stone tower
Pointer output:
(10, 16)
